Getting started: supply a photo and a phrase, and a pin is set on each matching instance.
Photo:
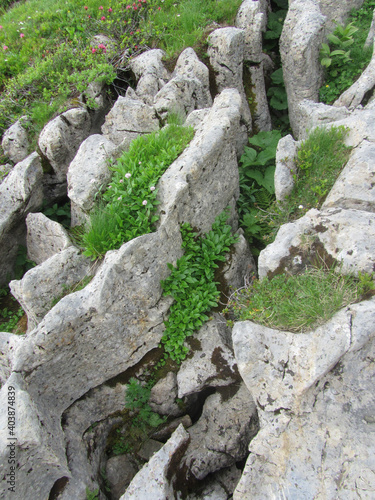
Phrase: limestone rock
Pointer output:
(212, 363)
(335, 235)
(127, 119)
(353, 96)
(35, 451)
(163, 396)
(15, 142)
(222, 434)
(20, 193)
(87, 173)
(149, 448)
(252, 18)
(196, 117)
(314, 114)
(285, 165)
(300, 42)
(337, 12)
(8, 345)
(61, 138)
(260, 110)
(150, 73)
(354, 187)
(45, 237)
(226, 52)
(120, 470)
(4, 171)
(187, 90)
(43, 284)
(316, 423)
(154, 479)
(371, 34)
(239, 264)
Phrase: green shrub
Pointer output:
(127, 208)
(136, 400)
(192, 284)
(297, 303)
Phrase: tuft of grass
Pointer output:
(127, 207)
(300, 302)
(320, 159)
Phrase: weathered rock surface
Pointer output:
(252, 19)
(20, 193)
(285, 165)
(8, 345)
(15, 142)
(118, 317)
(354, 187)
(127, 119)
(87, 173)
(48, 282)
(188, 88)
(163, 396)
(226, 52)
(120, 471)
(313, 393)
(212, 363)
(151, 74)
(333, 235)
(45, 237)
(239, 264)
(61, 138)
(154, 480)
(300, 42)
(221, 435)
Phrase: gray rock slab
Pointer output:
(120, 471)
(45, 237)
(127, 119)
(187, 90)
(252, 18)
(354, 187)
(300, 42)
(226, 52)
(154, 479)
(8, 345)
(20, 193)
(337, 235)
(42, 285)
(322, 447)
(15, 142)
(239, 264)
(163, 396)
(150, 73)
(222, 434)
(88, 173)
(61, 138)
(212, 363)
(285, 166)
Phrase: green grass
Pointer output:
(44, 70)
(127, 207)
(342, 73)
(297, 303)
(320, 159)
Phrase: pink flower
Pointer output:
(1, 27)
(85, 7)
(121, 181)
(119, 198)
(5, 47)
(93, 51)
(102, 18)
(159, 8)
(110, 10)
(101, 8)
(128, 7)
(135, 7)
(128, 175)
(152, 188)
(144, 202)
(102, 46)
(131, 33)
(22, 35)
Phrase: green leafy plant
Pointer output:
(297, 303)
(275, 25)
(344, 57)
(127, 207)
(23, 263)
(192, 284)
(58, 213)
(277, 92)
(92, 495)
(136, 400)
(257, 189)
